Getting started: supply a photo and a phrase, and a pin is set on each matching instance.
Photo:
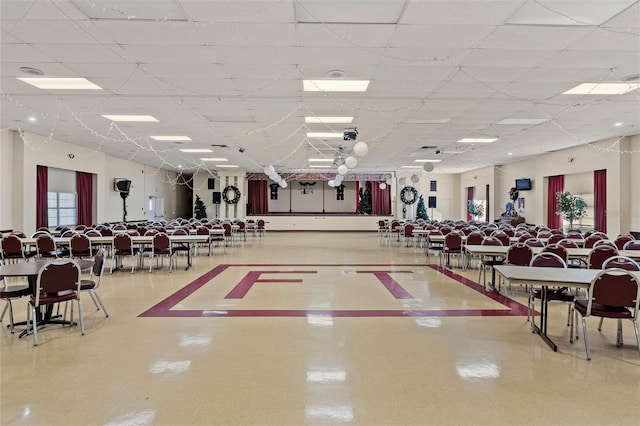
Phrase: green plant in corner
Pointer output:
(571, 207)
(199, 210)
(476, 210)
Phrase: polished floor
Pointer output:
(314, 328)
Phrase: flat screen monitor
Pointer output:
(523, 184)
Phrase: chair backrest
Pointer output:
(534, 242)
(509, 231)
(57, 276)
(119, 227)
(568, 243)
(556, 232)
(202, 231)
(555, 238)
(453, 240)
(632, 245)
(11, 246)
(122, 242)
(38, 233)
(621, 262)
(93, 233)
(598, 255)
(68, 233)
(600, 243)
(260, 224)
(519, 254)
(98, 263)
(445, 230)
(408, 230)
(575, 235)
(80, 243)
(106, 232)
(488, 231)
(180, 232)
(43, 229)
(45, 243)
(227, 229)
(614, 288)
(502, 236)
(491, 241)
(622, 239)
(475, 238)
(150, 232)
(548, 260)
(544, 234)
(524, 237)
(591, 240)
(80, 228)
(557, 249)
(161, 242)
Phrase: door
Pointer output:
(156, 208)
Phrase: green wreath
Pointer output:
(414, 195)
(236, 195)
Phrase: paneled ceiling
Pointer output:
(231, 73)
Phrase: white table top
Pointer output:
(561, 277)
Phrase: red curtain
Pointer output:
(84, 187)
(555, 185)
(600, 200)
(357, 196)
(470, 194)
(258, 193)
(487, 204)
(42, 188)
(380, 200)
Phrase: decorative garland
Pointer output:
(236, 195)
(414, 195)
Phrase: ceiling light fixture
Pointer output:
(213, 159)
(326, 160)
(618, 124)
(602, 89)
(521, 121)
(335, 85)
(138, 118)
(60, 83)
(324, 135)
(32, 119)
(194, 150)
(226, 165)
(32, 71)
(319, 166)
(171, 138)
(477, 140)
(328, 120)
(509, 153)
(411, 167)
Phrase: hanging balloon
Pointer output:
(428, 167)
(332, 183)
(343, 170)
(351, 162)
(269, 169)
(415, 178)
(338, 179)
(383, 186)
(360, 149)
(389, 181)
(283, 184)
(339, 161)
(402, 181)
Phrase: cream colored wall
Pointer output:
(6, 179)
(225, 211)
(322, 223)
(479, 178)
(634, 179)
(447, 194)
(32, 150)
(331, 204)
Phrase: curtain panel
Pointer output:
(470, 195)
(600, 200)
(554, 185)
(380, 200)
(84, 187)
(42, 189)
(258, 196)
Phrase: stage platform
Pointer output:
(320, 222)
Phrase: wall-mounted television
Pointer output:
(523, 184)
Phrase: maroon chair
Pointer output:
(599, 255)
(228, 233)
(9, 293)
(445, 229)
(509, 231)
(431, 245)
(534, 242)
(260, 229)
(161, 247)
(407, 234)
(591, 240)
(557, 249)
(123, 247)
(382, 228)
(613, 293)
(568, 243)
(621, 262)
(452, 245)
(632, 245)
(80, 246)
(46, 247)
(503, 237)
(524, 237)
(92, 284)
(488, 231)
(490, 261)
(548, 260)
(622, 239)
(555, 238)
(12, 249)
(519, 254)
(58, 281)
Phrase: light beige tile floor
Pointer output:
(316, 368)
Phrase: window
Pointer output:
(434, 186)
(63, 208)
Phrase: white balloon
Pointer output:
(332, 183)
(343, 170)
(339, 161)
(269, 169)
(389, 181)
(383, 186)
(283, 184)
(360, 149)
(351, 162)
(401, 181)
(338, 179)
(415, 178)
(428, 167)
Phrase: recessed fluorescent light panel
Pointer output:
(521, 121)
(226, 165)
(320, 166)
(324, 135)
(171, 138)
(328, 120)
(602, 88)
(321, 160)
(477, 140)
(427, 161)
(141, 118)
(60, 83)
(213, 159)
(411, 167)
(195, 150)
(335, 85)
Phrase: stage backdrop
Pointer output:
(309, 196)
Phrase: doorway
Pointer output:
(156, 208)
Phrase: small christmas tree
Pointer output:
(200, 210)
(421, 211)
(365, 200)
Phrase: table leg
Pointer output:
(544, 310)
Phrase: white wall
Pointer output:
(634, 180)
(6, 179)
(31, 150)
(447, 194)
(479, 179)
(224, 210)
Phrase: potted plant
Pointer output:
(571, 207)
(476, 210)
